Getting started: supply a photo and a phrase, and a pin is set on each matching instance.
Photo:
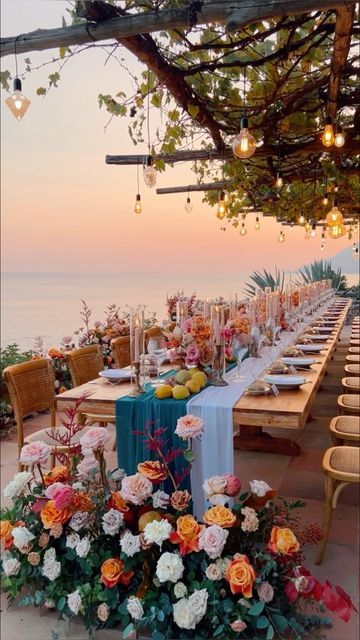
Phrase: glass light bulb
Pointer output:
(279, 181)
(354, 247)
(243, 231)
(257, 224)
(301, 219)
(336, 231)
(188, 206)
(138, 207)
(334, 217)
(313, 233)
(281, 237)
(339, 139)
(328, 134)
(356, 253)
(325, 200)
(149, 173)
(18, 104)
(221, 213)
(244, 144)
(336, 188)
(291, 226)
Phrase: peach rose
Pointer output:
(136, 488)
(222, 516)
(81, 501)
(153, 470)
(116, 501)
(36, 452)
(283, 541)
(189, 426)
(95, 439)
(187, 534)
(112, 573)
(51, 516)
(240, 575)
(179, 500)
(238, 626)
(6, 538)
(57, 474)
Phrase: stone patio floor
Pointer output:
(299, 477)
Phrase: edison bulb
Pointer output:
(336, 231)
(244, 144)
(138, 207)
(17, 102)
(149, 173)
(334, 217)
(327, 137)
(291, 226)
(301, 219)
(257, 224)
(188, 206)
(243, 231)
(339, 139)
(279, 180)
(325, 199)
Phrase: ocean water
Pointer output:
(48, 305)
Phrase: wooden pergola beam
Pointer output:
(211, 186)
(342, 39)
(234, 15)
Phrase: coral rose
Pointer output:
(153, 470)
(179, 500)
(283, 541)
(57, 474)
(240, 575)
(112, 573)
(222, 516)
(81, 501)
(187, 534)
(116, 501)
(51, 516)
(6, 538)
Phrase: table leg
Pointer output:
(255, 439)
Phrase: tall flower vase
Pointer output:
(216, 377)
(254, 342)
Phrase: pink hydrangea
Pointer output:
(189, 427)
(136, 488)
(62, 496)
(94, 439)
(233, 485)
(50, 490)
(34, 453)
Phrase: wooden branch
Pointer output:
(342, 38)
(236, 14)
(212, 186)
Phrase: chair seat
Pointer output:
(354, 369)
(346, 425)
(354, 350)
(353, 358)
(352, 383)
(342, 463)
(43, 434)
(354, 342)
(349, 401)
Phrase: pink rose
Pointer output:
(34, 453)
(136, 488)
(88, 465)
(233, 485)
(238, 626)
(49, 491)
(265, 591)
(215, 484)
(94, 439)
(212, 539)
(192, 354)
(189, 427)
(62, 496)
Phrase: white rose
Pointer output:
(79, 520)
(259, 488)
(74, 602)
(83, 547)
(213, 572)
(135, 608)
(112, 521)
(216, 484)
(160, 499)
(51, 570)
(18, 484)
(169, 567)
(157, 532)
(219, 499)
(180, 590)
(130, 544)
(212, 539)
(198, 603)
(72, 540)
(11, 566)
(223, 564)
(183, 616)
(22, 536)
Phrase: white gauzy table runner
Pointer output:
(214, 452)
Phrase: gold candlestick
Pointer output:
(137, 389)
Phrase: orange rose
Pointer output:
(5, 533)
(51, 516)
(222, 516)
(179, 500)
(81, 502)
(187, 534)
(112, 572)
(283, 541)
(241, 575)
(55, 353)
(116, 501)
(57, 474)
(153, 470)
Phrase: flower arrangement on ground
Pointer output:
(119, 550)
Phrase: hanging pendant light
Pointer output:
(244, 144)
(138, 207)
(327, 137)
(17, 102)
(149, 172)
(243, 230)
(188, 205)
(281, 236)
(350, 233)
(291, 226)
(279, 182)
(356, 253)
(222, 208)
(313, 230)
(257, 224)
(334, 217)
(339, 139)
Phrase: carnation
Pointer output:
(36, 452)
(112, 521)
(180, 590)
(94, 439)
(160, 499)
(189, 427)
(183, 616)
(198, 604)
(212, 539)
(223, 564)
(72, 540)
(259, 488)
(265, 591)
(74, 602)
(136, 488)
(135, 608)
(169, 567)
(251, 522)
(11, 567)
(157, 532)
(213, 572)
(18, 484)
(21, 537)
(103, 612)
(83, 547)
(130, 544)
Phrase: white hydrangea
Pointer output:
(130, 544)
(198, 603)
(18, 484)
(223, 564)
(74, 602)
(72, 540)
(180, 590)
(183, 616)
(83, 547)
(11, 566)
(160, 499)
(112, 521)
(157, 532)
(135, 608)
(169, 567)
(51, 568)
(21, 536)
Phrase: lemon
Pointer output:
(180, 392)
(164, 391)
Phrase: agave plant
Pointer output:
(322, 270)
(265, 279)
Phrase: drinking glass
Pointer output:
(237, 345)
(158, 352)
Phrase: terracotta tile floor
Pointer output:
(299, 477)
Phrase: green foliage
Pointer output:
(11, 354)
(322, 270)
(265, 279)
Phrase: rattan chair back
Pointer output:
(84, 364)
(121, 351)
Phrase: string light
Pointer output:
(279, 182)
(301, 218)
(339, 139)
(138, 207)
(313, 230)
(281, 236)
(243, 230)
(222, 209)
(244, 144)
(291, 226)
(257, 224)
(327, 137)
(149, 171)
(325, 199)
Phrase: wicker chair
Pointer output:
(121, 351)
(351, 384)
(349, 403)
(355, 342)
(353, 359)
(31, 389)
(84, 364)
(341, 466)
(352, 369)
(345, 429)
(354, 350)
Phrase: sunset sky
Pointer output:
(65, 210)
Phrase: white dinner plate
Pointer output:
(311, 347)
(298, 362)
(324, 329)
(313, 336)
(285, 382)
(115, 375)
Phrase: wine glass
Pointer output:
(237, 345)
(158, 353)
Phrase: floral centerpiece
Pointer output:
(118, 550)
